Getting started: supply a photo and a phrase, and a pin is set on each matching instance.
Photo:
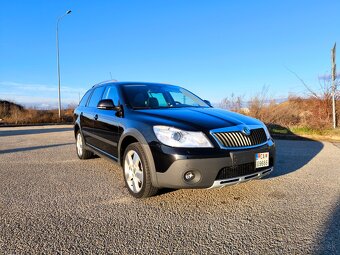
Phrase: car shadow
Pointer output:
(14, 150)
(32, 131)
(329, 243)
(292, 153)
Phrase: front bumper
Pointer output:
(207, 170)
(232, 181)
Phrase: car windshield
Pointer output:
(148, 96)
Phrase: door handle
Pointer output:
(96, 117)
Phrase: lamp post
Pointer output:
(59, 101)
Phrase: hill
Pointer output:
(7, 107)
(12, 113)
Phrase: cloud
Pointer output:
(36, 101)
(39, 87)
(328, 77)
(39, 95)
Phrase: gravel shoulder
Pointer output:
(51, 202)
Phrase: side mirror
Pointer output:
(207, 102)
(107, 104)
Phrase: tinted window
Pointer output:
(145, 96)
(96, 96)
(183, 98)
(83, 101)
(160, 98)
(111, 93)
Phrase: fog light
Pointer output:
(188, 176)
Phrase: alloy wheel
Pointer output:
(133, 170)
(79, 145)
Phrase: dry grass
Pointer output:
(295, 112)
(11, 113)
(310, 115)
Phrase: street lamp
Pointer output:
(59, 101)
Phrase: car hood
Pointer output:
(195, 118)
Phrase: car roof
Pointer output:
(120, 83)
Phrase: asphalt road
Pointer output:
(51, 202)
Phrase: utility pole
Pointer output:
(58, 65)
(333, 51)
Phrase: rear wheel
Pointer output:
(137, 172)
(81, 151)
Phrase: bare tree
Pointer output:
(232, 103)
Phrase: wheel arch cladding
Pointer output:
(124, 144)
(132, 136)
(76, 129)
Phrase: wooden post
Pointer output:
(333, 84)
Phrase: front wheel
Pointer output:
(137, 172)
(81, 151)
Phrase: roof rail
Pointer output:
(104, 82)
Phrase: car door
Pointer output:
(107, 124)
(89, 117)
(85, 123)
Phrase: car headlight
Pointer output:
(179, 138)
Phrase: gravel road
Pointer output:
(51, 202)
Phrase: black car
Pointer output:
(166, 137)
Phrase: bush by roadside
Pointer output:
(12, 113)
(305, 116)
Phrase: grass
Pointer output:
(314, 133)
(278, 130)
(15, 114)
(317, 132)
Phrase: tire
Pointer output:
(81, 151)
(136, 170)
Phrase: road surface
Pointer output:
(52, 202)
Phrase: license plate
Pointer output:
(261, 159)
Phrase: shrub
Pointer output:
(12, 113)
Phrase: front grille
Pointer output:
(235, 139)
(240, 170)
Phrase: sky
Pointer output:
(213, 48)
